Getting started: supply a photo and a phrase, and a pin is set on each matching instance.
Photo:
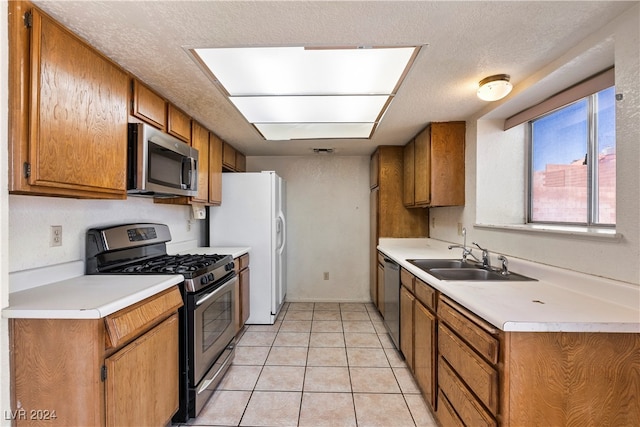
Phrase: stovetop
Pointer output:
(188, 265)
(141, 249)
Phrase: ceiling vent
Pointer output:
(323, 150)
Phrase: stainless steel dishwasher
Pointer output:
(392, 299)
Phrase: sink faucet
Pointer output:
(465, 250)
(486, 260)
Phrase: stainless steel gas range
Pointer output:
(207, 318)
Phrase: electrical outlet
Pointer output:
(55, 236)
(326, 275)
(433, 222)
(459, 229)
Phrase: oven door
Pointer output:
(211, 326)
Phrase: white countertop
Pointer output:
(86, 297)
(63, 292)
(559, 301)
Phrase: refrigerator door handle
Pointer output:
(283, 232)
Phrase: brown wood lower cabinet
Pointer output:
(425, 352)
(473, 374)
(148, 364)
(121, 370)
(242, 291)
(418, 332)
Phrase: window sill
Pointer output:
(596, 233)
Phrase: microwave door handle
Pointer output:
(188, 166)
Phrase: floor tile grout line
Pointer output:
(349, 366)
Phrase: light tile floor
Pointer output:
(320, 364)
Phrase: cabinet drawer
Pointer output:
(244, 261)
(426, 294)
(476, 373)
(446, 415)
(475, 331)
(466, 406)
(241, 263)
(130, 322)
(380, 258)
(407, 279)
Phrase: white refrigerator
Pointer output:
(252, 214)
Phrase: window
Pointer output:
(573, 163)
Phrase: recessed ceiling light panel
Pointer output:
(291, 109)
(297, 86)
(289, 131)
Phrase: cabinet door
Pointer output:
(409, 174)
(178, 124)
(228, 156)
(149, 106)
(215, 170)
(241, 162)
(406, 325)
(422, 163)
(447, 164)
(142, 379)
(424, 351)
(200, 141)
(245, 296)
(78, 116)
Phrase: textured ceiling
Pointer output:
(465, 42)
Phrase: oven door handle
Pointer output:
(223, 365)
(221, 289)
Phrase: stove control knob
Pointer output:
(210, 276)
(204, 280)
(229, 266)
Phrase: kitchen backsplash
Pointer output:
(30, 219)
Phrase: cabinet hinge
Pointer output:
(103, 373)
(27, 169)
(28, 19)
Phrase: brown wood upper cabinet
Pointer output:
(67, 112)
(200, 141)
(178, 123)
(232, 159)
(148, 106)
(228, 156)
(241, 162)
(434, 166)
(215, 169)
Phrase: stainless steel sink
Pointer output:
(458, 270)
(428, 264)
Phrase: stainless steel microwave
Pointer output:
(159, 164)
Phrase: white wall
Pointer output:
(5, 403)
(494, 172)
(30, 218)
(328, 225)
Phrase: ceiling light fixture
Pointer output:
(495, 87)
(309, 92)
